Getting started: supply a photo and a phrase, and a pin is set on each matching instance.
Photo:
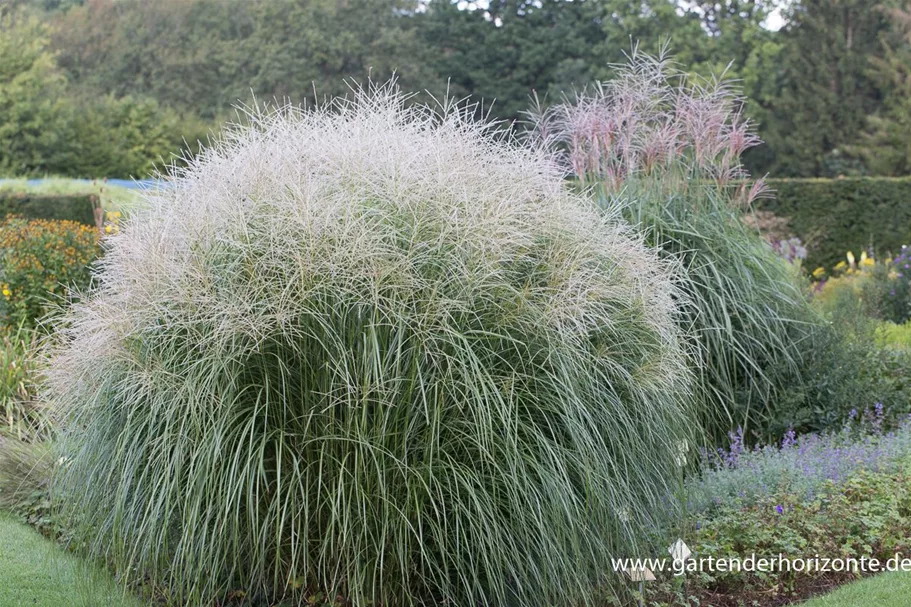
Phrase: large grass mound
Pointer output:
(374, 351)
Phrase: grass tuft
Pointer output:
(665, 148)
(377, 351)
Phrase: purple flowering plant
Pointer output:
(800, 465)
(791, 249)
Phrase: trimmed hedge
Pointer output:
(79, 208)
(849, 214)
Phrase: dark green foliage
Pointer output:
(828, 90)
(833, 216)
(825, 91)
(848, 370)
(32, 113)
(47, 128)
(205, 56)
(869, 515)
(546, 48)
(80, 209)
(123, 137)
(885, 145)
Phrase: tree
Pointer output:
(513, 49)
(885, 144)
(185, 54)
(826, 90)
(32, 117)
(205, 56)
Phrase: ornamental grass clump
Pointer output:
(666, 149)
(377, 352)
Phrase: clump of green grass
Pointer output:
(666, 150)
(377, 351)
(21, 414)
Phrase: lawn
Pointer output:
(886, 590)
(37, 573)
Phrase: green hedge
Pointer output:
(79, 208)
(851, 214)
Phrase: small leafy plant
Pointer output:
(40, 261)
(801, 465)
(21, 415)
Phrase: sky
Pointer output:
(775, 21)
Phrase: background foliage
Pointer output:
(82, 78)
(79, 208)
(833, 216)
(40, 261)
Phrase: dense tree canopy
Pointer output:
(829, 89)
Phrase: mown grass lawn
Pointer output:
(34, 572)
(886, 590)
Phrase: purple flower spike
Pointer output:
(779, 509)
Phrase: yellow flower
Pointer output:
(6, 292)
(841, 265)
(819, 272)
(850, 257)
(108, 229)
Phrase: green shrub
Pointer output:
(850, 367)
(666, 151)
(42, 260)
(826, 497)
(26, 471)
(22, 416)
(869, 515)
(849, 370)
(851, 214)
(376, 352)
(77, 208)
(124, 137)
(895, 336)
